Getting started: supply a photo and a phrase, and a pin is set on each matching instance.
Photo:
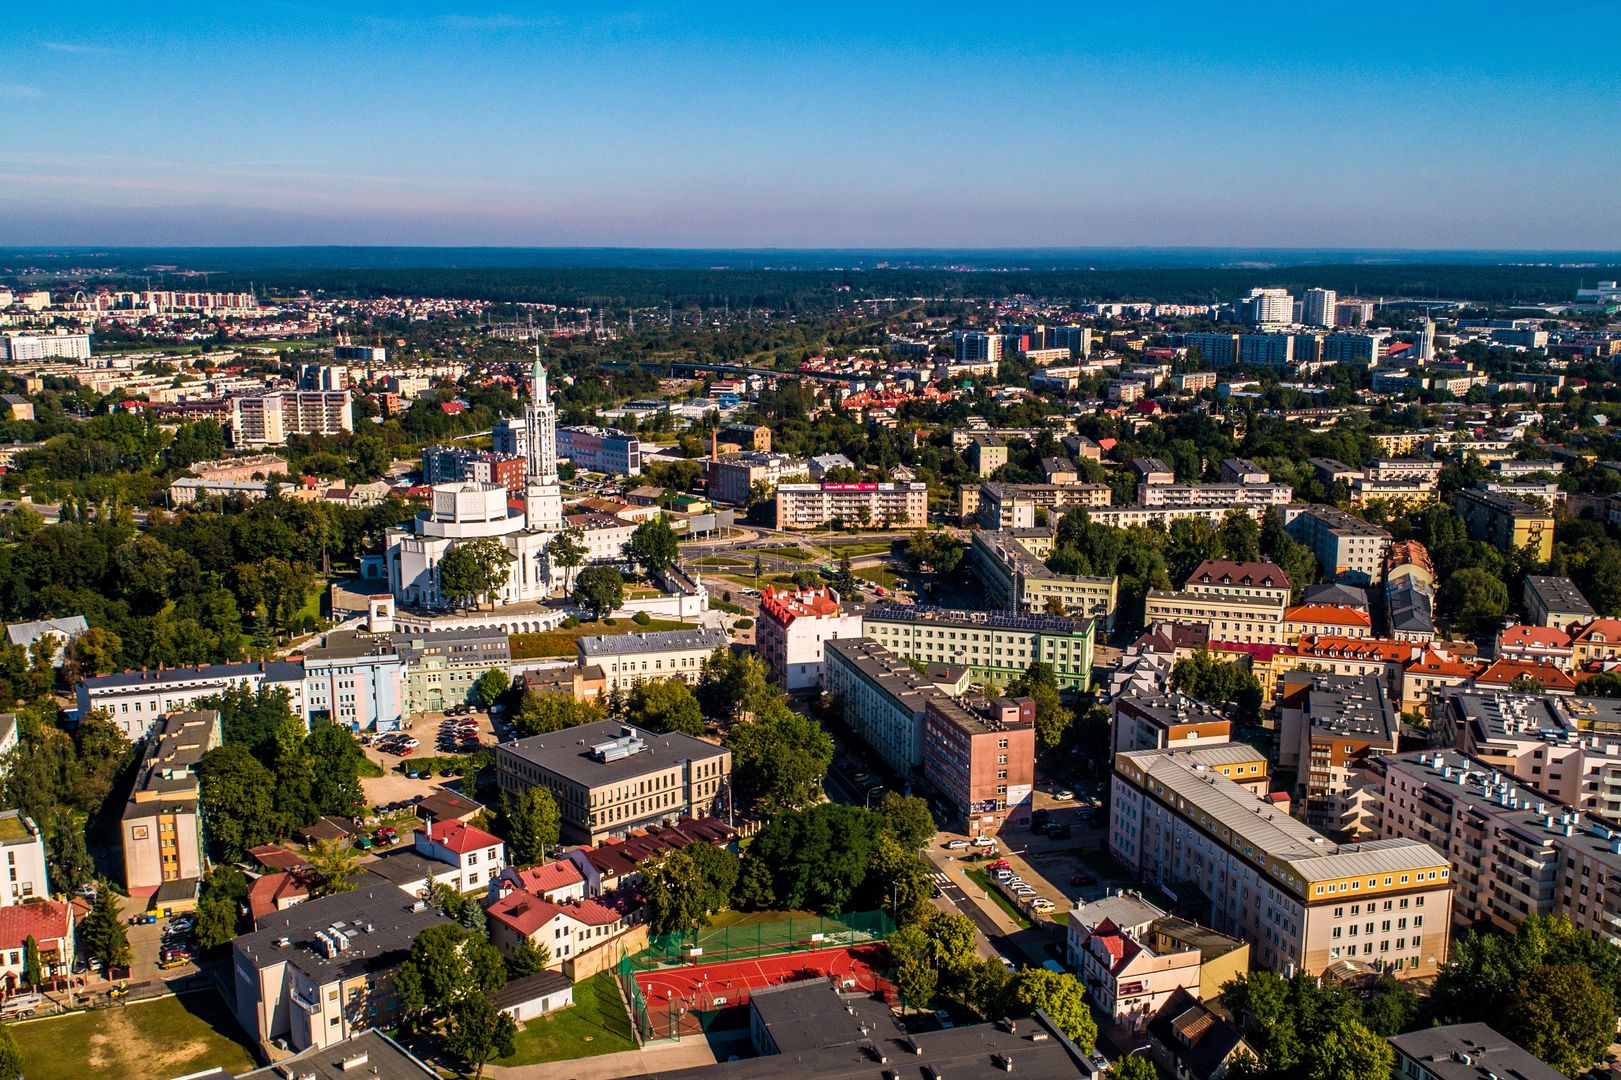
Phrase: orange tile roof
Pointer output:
(1547, 637)
(1377, 650)
(1327, 613)
(1604, 630)
(1504, 672)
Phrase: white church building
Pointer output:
(471, 510)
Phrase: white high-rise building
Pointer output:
(543, 494)
(1319, 307)
(1425, 340)
(1267, 307)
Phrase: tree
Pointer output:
(336, 759)
(447, 964)
(216, 923)
(566, 552)
(665, 706)
(732, 686)
(294, 775)
(528, 958)
(934, 551)
(540, 714)
(11, 1055)
(599, 590)
(779, 759)
(1210, 679)
(1563, 1016)
(333, 864)
(474, 570)
(1135, 1067)
(1059, 995)
(94, 652)
(915, 976)
(102, 933)
(33, 965)
(533, 826)
(491, 685)
(653, 546)
(684, 887)
(478, 1032)
(1472, 600)
(238, 801)
(844, 580)
(1349, 1051)
(908, 819)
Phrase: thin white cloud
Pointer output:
(498, 21)
(18, 90)
(76, 48)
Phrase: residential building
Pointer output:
(1409, 559)
(982, 760)
(1016, 580)
(162, 828)
(618, 861)
(1228, 617)
(62, 632)
(60, 344)
(1596, 641)
(1157, 719)
(259, 420)
(1267, 307)
(372, 1051)
(878, 506)
(791, 630)
(1189, 1040)
(998, 505)
(322, 971)
(27, 878)
(1556, 602)
(986, 453)
(1318, 309)
(1409, 609)
(732, 476)
(1133, 958)
(1325, 619)
(135, 700)
(354, 679)
(1536, 645)
(883, 698)
(1568, 748)
(441, 667)
(996, 647)
(1507, 523)
(1515, 851)
(636, 657)
(603, 450)
(1347, 548)
(477, 857)
(605, 538)
(1302, 901)
(1210, 495)
(1465, 1052)
(50, 924)
(1330, 727)
(566, 929)
(610, 778)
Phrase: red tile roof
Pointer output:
(458, 836)
(1227, 572)
(1545, 637)
(785, 605)
(47, 922)
(1504, 672)
(541, 880)
(267, 893)
(1327, 613)
(526, 913)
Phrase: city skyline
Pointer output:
(1452, 127)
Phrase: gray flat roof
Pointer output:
(567, 753)
(380, 919)
(369, 1054)
(651, 642)
(1480, 1050)
(1558, 594)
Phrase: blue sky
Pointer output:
(1421, 125)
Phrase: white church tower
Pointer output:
(543, 493)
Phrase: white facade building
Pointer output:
(24, 851)
(792, 628)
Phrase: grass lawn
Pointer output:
(795, 554)
(983, 880)
(171, 1036)
(560, 642)
(866, 547)
(879, 575)
(595, 1024)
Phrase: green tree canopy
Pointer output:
(600, 590)
(653, 546)
(665, 706)
(779, 758)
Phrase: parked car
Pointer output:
(944, 1018)
(1064, 796)
(956, 845)
(984, 841)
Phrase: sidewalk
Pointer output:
(664, 1056)
(957, 872)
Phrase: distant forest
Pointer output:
(815, 291)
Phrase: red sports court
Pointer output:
(681, 992)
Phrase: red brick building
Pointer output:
(983, 761)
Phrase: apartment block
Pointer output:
(1159, 720)
(628, 659)
(878, 506)
(1347, 548)
(1568, 748)
(1014, 506)
(27, 877)
(1556, 602)
(162, 828)
(982, 760)
(1506, 522)
(996, 647)
(1302, 901)
(259, 420)
(603, 450)
(732, 476)
(1330, 728)
(882, 697)
(1515, 851)
(1017, 580)
(136, 699)
(793, 627)
(609, 778)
